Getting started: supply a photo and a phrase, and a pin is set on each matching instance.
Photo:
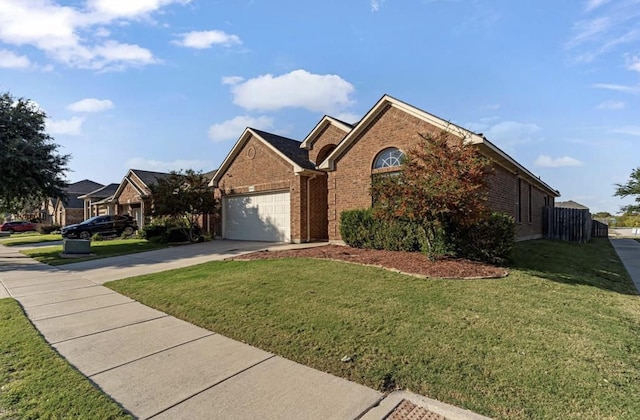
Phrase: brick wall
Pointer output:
(349, 185)
(326, 141)
(129, 195)
(72, 216)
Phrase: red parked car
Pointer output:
(18, 226)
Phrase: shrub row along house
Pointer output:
(274, 188)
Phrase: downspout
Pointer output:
(309, 207)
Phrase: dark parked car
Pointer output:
(17, 226)
(109, 225)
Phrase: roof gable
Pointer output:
(311, 138)
(134, 177)
(287, 149)
(484, 145)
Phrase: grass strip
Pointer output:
(29, 238)
(100, 249)
(36, 383)
(557, 338)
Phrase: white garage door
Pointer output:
(258, 217)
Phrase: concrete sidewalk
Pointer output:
(629, 252)
(157, 366)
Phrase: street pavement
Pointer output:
(157, 366)
(628, 251)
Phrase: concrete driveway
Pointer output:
(115, 268)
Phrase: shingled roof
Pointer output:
(149, 177)
(288, 147)
(104, 192)
(83, 187)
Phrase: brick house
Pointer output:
(70, 210)
(278, 189)
(99, 202)
(133, 197)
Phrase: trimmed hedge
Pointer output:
(490, 240)
(47, 229)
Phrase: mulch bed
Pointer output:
(413, 263)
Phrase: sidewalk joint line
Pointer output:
(152, 354)
(210, 387)
(107, 292)
(85, 310)
(102, 331)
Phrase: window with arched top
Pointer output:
(388, 158)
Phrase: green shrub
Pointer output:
(490, 240)
(361, 229)
(46, 229)
(97, 237)
(151, 230)
(177, 234)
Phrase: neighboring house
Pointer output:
(133, 195)
(277, 189)
(99, 202)
(571, 205)
(70, 210)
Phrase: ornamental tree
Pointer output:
(183, 197)
(442, 182)
(30, 166)
(630, 189)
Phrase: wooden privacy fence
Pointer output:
(599, 229)
(567, 224)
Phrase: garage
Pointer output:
(257, 217)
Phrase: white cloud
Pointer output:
(610, 25)
(509, 133)
(327, 93)
(205, 39)
(549, 162)
(232, 129)
(348, 117)
(594, 4)
(90, 105)
(70, 127)
(232, 80)
(611, 104)
(113, 9)
(376, 5)
(633, 63)
(10, 60)
(161, 166)
(77, 36)
(632, 130)
(617, 88)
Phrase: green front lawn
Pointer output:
(29, 238)
(36, 383)
(101, 249)
(557, 338)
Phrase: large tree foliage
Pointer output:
(631, 188)
(30, 165)
(183, 197)
(442, 182)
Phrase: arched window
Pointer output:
(388, 158)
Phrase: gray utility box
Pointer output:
(76, 246)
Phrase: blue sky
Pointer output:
(171, 84)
